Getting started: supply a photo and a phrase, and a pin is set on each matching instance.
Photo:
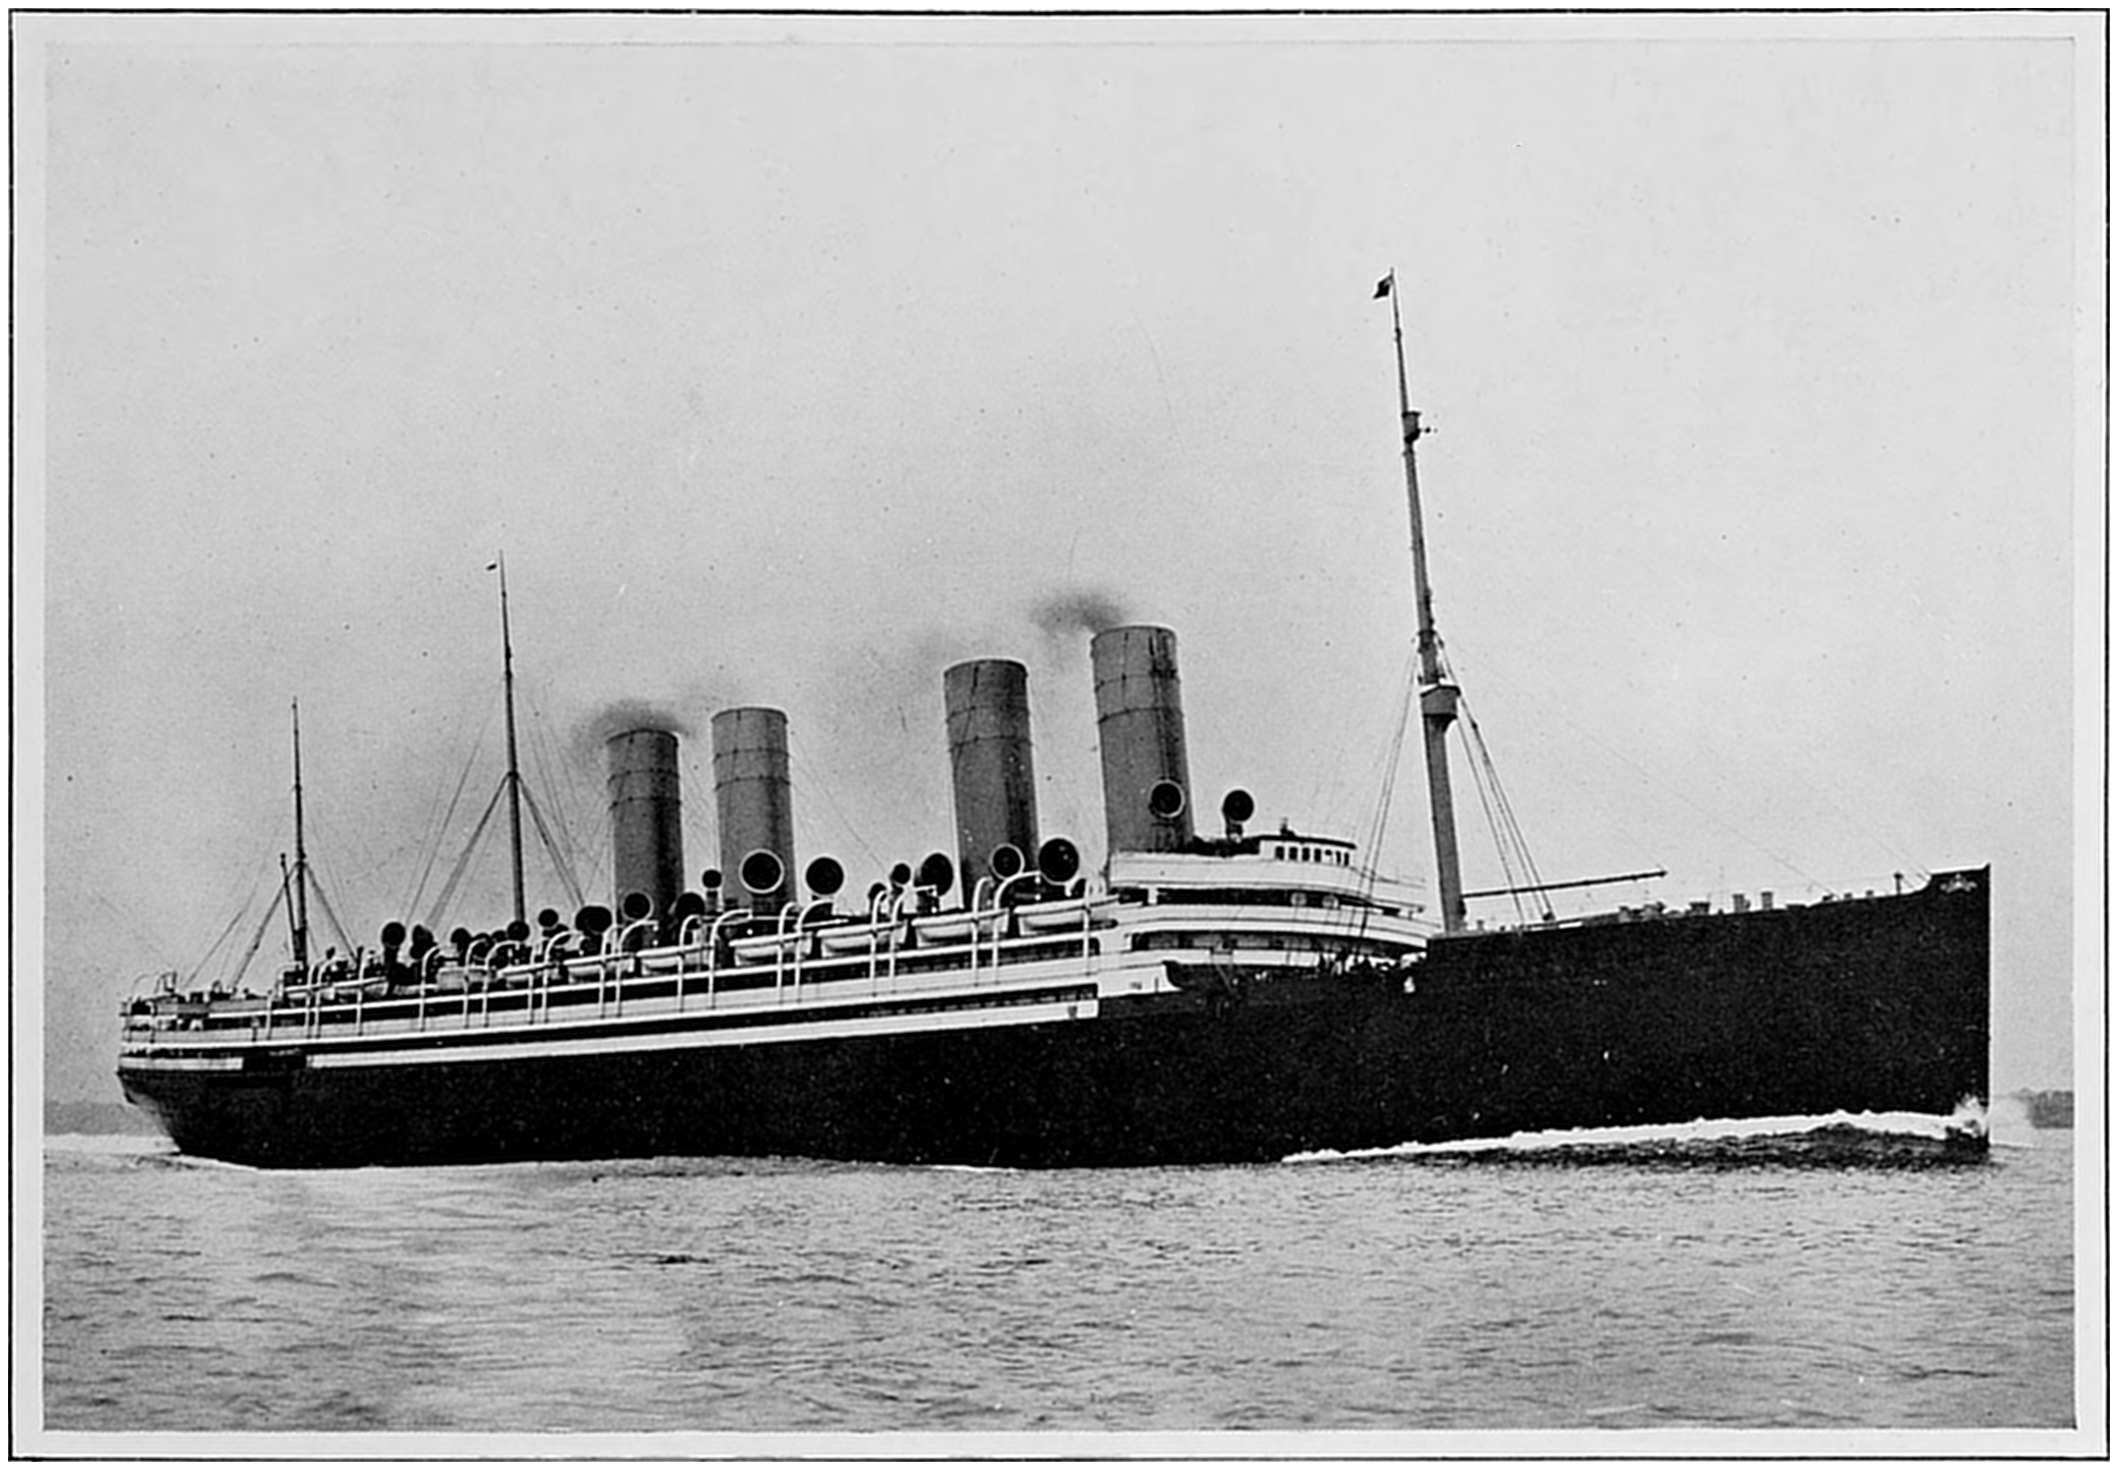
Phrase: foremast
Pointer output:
(1438, 694)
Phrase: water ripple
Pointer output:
(1466, 1293)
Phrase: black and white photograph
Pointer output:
(945, 734)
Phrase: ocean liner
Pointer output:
(1237, 995)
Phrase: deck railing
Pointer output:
(712, 964)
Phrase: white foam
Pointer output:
(1967, 1119)
(108, 1143)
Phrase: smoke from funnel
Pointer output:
(1078, 610)
(596, 729)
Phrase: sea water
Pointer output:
(1621, 1286)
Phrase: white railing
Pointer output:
(602, 986)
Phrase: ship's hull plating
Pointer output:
(1875, 1005)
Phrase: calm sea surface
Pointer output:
(1518, 1291)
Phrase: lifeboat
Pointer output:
(859, 938)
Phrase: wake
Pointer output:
(1827, 1140)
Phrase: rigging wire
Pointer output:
(595, 858)
(554, 835)
(356, 843)
(1662, 788)
(150, 942)
(316, 888)
(317, 864)
(1485, 802)
(1517, 864)
(568, 799)
(235, 918)
(463, 861)
(1516, 861)
(563, 799)
(440, 829)
(271, 909)
(565, 850)
(816, 783)
(558, 860)
(1409, 682)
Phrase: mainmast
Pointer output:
(514, 770)
(1437, 694)
(301, 855)
(286, 896)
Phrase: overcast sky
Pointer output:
(789, 361)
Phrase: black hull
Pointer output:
(1872, 1005)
